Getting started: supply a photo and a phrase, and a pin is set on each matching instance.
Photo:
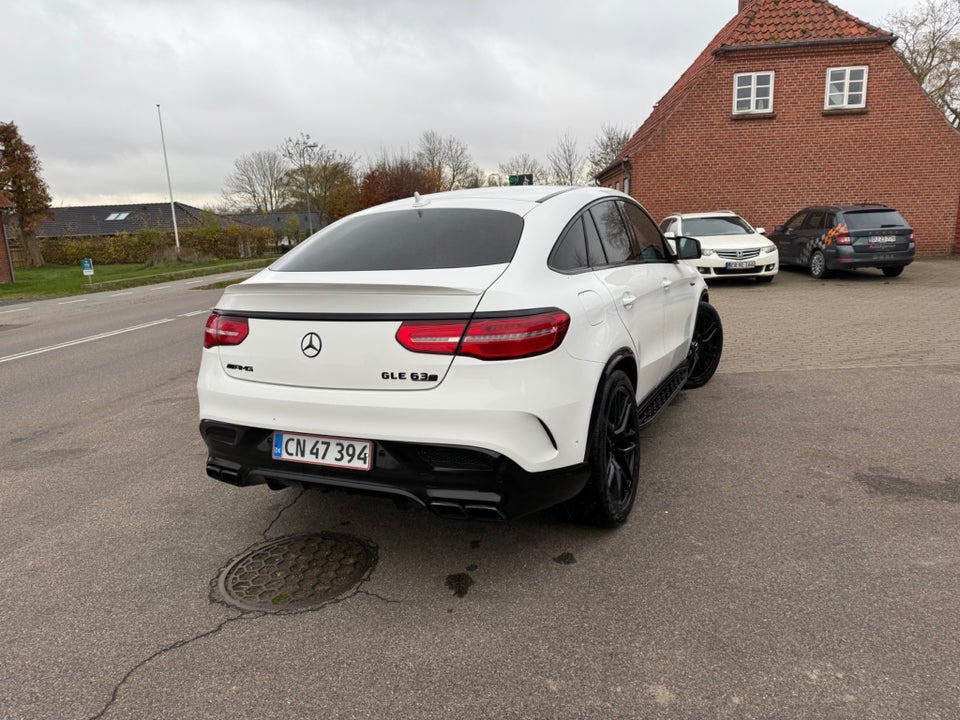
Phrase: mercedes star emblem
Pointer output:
(310, 345)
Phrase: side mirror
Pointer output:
(762, 231)
(779, 228)
(688, 248)
(670, 235)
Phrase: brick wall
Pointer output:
(901, 151)
(6, 269)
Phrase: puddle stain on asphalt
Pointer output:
(460, 583)
(902, 489)
(566, 558)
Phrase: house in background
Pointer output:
(288, 227)
(6, 259)
(795, 103)
(106, 220)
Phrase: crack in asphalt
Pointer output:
(243, 615)
(281, 512)
(163, 651)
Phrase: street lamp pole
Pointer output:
(306, 179)
(173, 211)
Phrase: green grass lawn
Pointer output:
(60, 280)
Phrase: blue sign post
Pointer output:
(87, 265)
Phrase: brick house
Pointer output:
(6, 261)
(794, 103)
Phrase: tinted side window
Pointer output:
(613, 232)
(796, 221)
(595, 252)
(647, 237)
(814, 220)
(409, 240)
(571, 252)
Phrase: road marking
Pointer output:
(4, 312)
(162, 287)
(195, 312)
(70, 302)
(91, 338)
(193, 282)
(122, 294)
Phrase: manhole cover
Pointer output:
(296, 572)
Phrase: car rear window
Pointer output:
(715, 226)
(873, 219)
(409, 240)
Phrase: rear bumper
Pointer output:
(452, 481)
(845, 256)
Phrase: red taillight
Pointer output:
(225, 330)
(501, 338)
(842, 238)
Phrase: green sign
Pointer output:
(526, 179)
(87, 265)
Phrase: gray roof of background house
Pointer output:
(130, 218)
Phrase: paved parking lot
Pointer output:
(857, 319)
(793, 554)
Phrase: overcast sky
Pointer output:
(83, 78)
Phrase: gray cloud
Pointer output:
(84, 78)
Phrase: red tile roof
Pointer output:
(762, 23)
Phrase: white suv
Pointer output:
(486, 353)
(730, 247)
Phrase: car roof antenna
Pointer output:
(418, 200)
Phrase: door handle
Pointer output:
(667, 284)
(628, 300)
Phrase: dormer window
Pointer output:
(118, 216)
(846, 88)
(753, 93)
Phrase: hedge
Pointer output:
(151, 245)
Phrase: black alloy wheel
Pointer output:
(892, 271)
(614, 458)
(706, 346)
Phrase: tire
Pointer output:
(613, 457)
(818, 265)
(706, 346)
(765, 279)
(892, 271)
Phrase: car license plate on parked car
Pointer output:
(741, 264)
(319, 450)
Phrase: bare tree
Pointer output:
(258, 182)
(930, 46)
(524, 164)
(607, 145)
(566, 162)
(320, 177)
(447, 157)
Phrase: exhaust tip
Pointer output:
(487, 513)
(450, 510)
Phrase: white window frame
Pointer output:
(753, 99)
(844, 93)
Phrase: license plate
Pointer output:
(883, 239)
(741, 264)
(320, 450)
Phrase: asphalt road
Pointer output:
(794, 552)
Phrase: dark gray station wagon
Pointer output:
(833, 237)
